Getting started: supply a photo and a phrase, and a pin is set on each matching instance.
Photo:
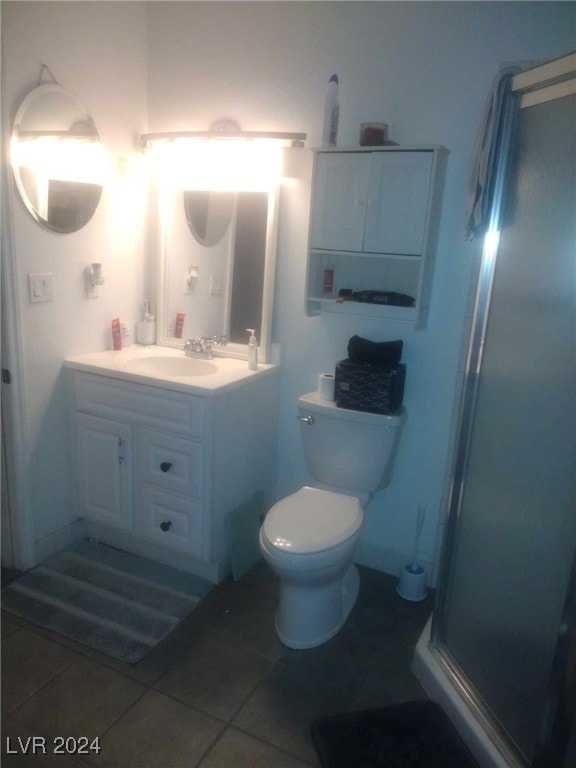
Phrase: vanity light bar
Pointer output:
(32, 135)
(294, 139)
(231, 164)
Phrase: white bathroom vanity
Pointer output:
(166, 447)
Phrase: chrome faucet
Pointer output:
(202, 347)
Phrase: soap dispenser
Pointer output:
(146, 328)
(252, 350)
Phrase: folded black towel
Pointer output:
(374, 352)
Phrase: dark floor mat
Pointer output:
(417, 734)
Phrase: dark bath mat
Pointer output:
(416, 734)
(115, 602)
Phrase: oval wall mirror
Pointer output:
(208, 213)
(57, 159)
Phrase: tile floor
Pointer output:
(220, 692)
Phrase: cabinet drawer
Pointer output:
(172, 463)
(139, 404)
(170, 520)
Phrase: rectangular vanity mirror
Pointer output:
(216, 266)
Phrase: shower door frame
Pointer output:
(544, 83)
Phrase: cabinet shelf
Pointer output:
(367, 254)
(381, 311)
(374, 222)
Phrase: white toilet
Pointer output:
(308, 538)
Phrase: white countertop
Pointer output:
(130, 364)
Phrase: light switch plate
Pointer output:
(41, 287)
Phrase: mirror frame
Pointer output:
(46, 89)
(231, 349)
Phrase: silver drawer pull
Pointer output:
(306, 419)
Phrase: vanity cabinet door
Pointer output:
(103, 460)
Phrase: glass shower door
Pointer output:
(515, 533)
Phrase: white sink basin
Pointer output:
(158, 365)
(169, 368)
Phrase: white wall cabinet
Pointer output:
(158, 471)
(374, 220)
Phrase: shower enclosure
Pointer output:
(501, 654)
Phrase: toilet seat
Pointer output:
(312, 520)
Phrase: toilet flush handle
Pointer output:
(306, 419)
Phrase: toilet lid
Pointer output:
(312, 520)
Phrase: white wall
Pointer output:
(97, 51)
(424, 68)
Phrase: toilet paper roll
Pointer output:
(326, 386)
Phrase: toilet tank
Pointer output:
(348, 449)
